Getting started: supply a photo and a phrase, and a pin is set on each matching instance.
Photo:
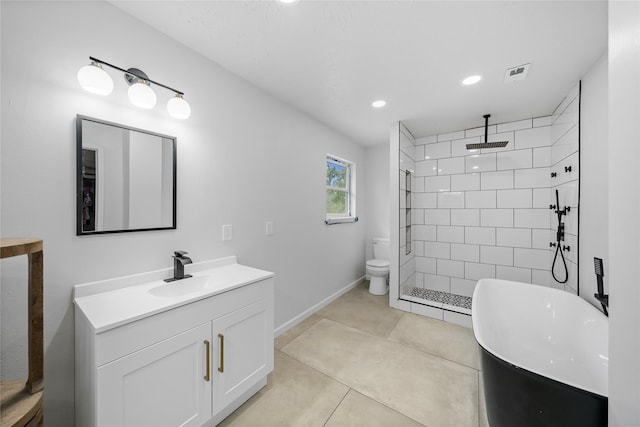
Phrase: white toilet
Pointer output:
(378, 268)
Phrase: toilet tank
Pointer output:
(381, 248)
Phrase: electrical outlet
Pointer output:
(227, 232)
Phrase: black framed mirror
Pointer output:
(126, 178)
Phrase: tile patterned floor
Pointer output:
(358, 362)
(444, 297)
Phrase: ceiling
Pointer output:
(331, 59)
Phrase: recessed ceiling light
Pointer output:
(379, 103)
(472, 80)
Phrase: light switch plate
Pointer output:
(269, 228)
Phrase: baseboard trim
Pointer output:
(300, 317)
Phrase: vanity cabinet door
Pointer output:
(243, 352)
(161, 385)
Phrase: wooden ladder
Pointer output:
(21, 401)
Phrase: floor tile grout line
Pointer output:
(354, 327)
(395, 326)
(337, 406)
(431, 354)
(386, 337)
(300, 334)
(350, 388)
(362, 392)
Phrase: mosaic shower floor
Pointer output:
(438, 299)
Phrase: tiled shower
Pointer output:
(467, 215)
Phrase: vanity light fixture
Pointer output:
(141, 95)
(93, 78)
(178, 107)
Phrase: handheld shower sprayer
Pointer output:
(559, 238)
(600, 295)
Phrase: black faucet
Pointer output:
(179, 261)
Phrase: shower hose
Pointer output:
(559, 238)
(564, 262)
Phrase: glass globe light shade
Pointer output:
(94, 79)
(179, 108)
(141, 95)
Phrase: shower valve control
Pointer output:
(552, 245)
(566, 248)
(553, 174)
(567, 168)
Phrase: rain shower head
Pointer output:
(485, 144)
(482, 145)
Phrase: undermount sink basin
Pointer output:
(180, 287)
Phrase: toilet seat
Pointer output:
(378, 263)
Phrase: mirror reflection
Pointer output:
(126, 178)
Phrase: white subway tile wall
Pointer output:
(466, 182)
(468, 217)
(480, 163)
(437, 216)
(518, 159)
(496, 180)
(437, 183)
(476, 211)
(440, 150)
(486, 213)
(564, 173)
(480, 199)
(462, 252)
(522, 198)
(451, 166)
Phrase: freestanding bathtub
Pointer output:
(544, 355)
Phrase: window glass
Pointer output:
(340, 198)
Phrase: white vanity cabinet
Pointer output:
(160, 385)
(188, 360)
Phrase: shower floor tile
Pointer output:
(452, 302)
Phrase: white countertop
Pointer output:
(113, 308)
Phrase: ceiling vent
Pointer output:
(516, 73)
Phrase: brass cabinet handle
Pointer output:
(221, 367)
(207, 346)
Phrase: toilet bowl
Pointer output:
(378, 268)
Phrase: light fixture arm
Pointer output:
(132, 72)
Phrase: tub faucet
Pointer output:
(179, 261)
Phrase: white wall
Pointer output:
(624, 213)
(243, 159)
(377, 188)
(594, 179)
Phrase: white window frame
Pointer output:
(350, 215)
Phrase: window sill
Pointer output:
(342, 220)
